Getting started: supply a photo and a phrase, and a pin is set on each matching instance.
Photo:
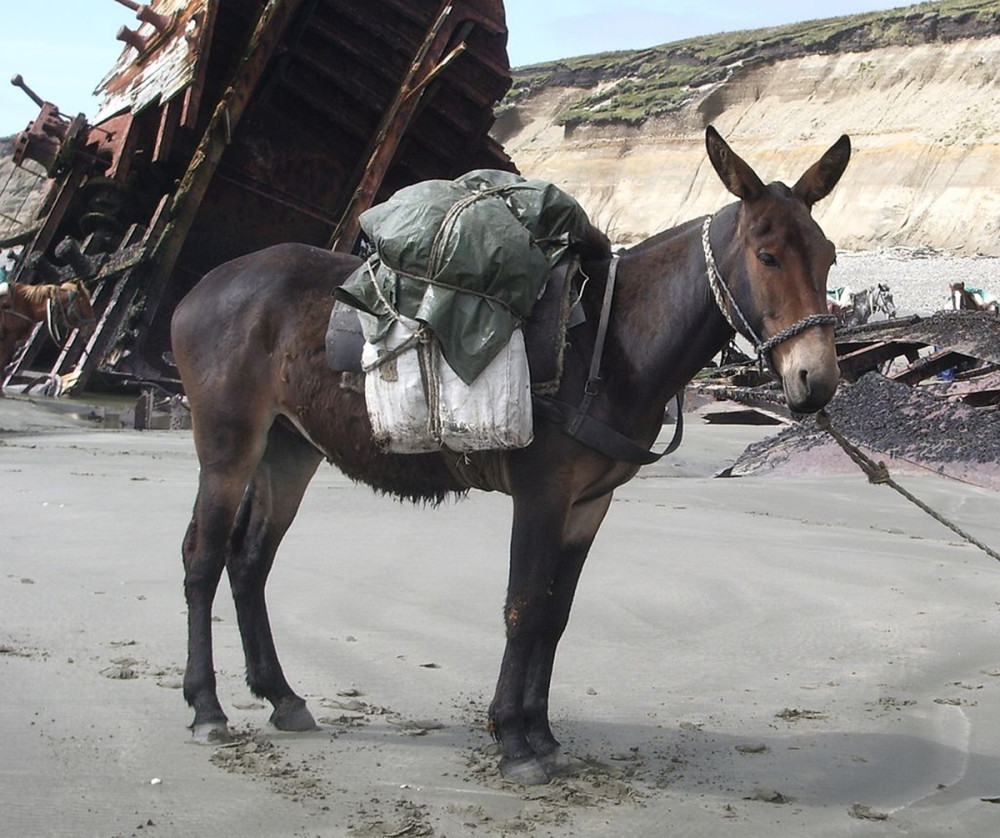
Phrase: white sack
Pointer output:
(417, 403)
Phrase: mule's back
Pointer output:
(249, 344)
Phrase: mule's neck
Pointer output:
(666, 325)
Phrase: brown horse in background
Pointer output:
(61, 307)
(971, 299)
(249, 345)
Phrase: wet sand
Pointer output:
(762, 656)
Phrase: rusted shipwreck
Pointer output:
(230, 125)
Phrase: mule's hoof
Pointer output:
(291, 714)
(556, 762)
(211, 733)
(528, 771)
(560, 764)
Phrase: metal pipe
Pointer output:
(17, 81)
(146, 14)
(160, 22)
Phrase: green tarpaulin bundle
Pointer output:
(467, 257)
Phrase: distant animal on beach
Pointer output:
(266, 411)
(965, 298)
(62, 308)
(861, 305)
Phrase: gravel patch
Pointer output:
(893, 422)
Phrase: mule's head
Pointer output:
(74, 299)
(776, 267)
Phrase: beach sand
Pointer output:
(763, 656)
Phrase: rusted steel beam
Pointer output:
(486, 13)
(275, 195)
(358, 89)
(385, 29)
(337, 106)
(984, 386)
(336, 41)
(395, 121)
(929, 366)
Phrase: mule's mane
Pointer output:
(39, 293)
(665, 235)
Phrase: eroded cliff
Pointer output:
(923, 115)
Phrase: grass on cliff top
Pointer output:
(640, 84)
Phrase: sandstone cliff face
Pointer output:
(924, 121)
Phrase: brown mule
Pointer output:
(249, 344)
(62, 307)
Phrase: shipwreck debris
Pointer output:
(227, 126)
(918, 393)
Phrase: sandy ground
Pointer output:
(804, 655)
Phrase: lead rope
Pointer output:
(878, 474)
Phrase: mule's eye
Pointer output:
(767, 259)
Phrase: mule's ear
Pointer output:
(736, 175)
(823, 175)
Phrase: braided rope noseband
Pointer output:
(727, 304)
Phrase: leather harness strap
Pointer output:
(577, 421)
(602, 438)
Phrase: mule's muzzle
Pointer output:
(810, 391)
(807, 366)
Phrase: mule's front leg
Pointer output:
(535, 554)
(581, 527)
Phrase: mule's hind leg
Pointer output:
(220, 487)
(265, 514)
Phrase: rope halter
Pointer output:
(727, 305)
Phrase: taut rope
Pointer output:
(879, 474)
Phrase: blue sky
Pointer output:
(64, 47)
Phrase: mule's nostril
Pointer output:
(804, 380)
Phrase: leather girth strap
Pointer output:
(576, 421)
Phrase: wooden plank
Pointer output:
(929, 366)
(135, 82)
(122, 288)
(170, 118)
(32, 346)
(857, 362)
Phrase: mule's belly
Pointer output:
(334, 418)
